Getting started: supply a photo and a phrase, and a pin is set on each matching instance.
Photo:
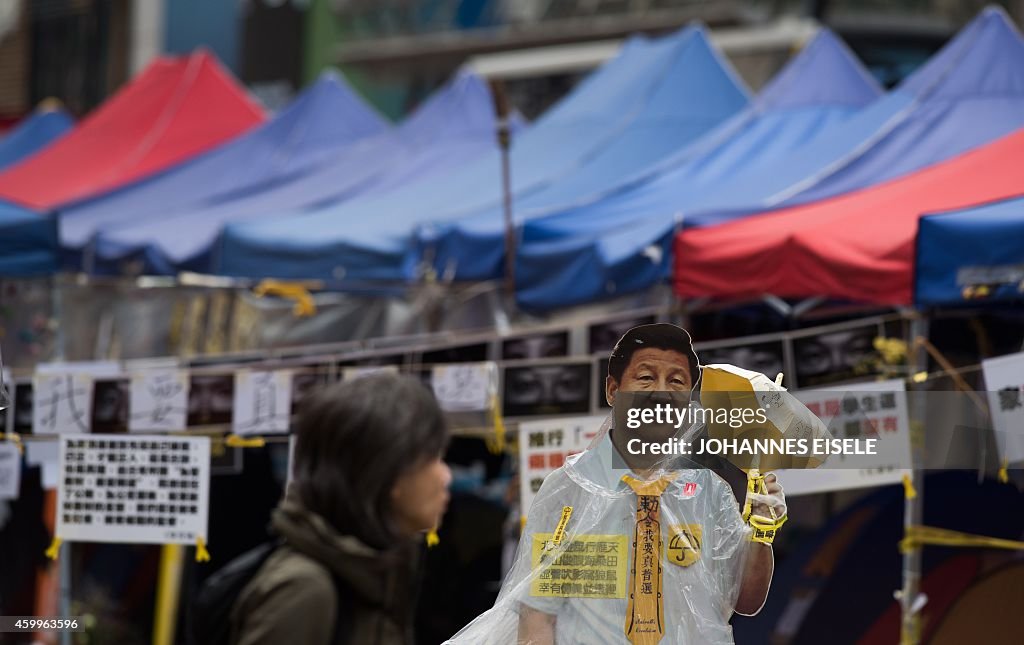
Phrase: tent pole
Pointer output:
(504, 142)
(911, 600)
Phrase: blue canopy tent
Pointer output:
(34, 133)
(28, 242)
(452, 127)
(820, 88)
(326, 117)
(971, 255)
(622, 243)
(625, 115)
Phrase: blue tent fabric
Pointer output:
(626, 114)
(979, 101)
(452, 127)
(28, 242)
(820, 88)
(308, 132)
(474, 246)
(946, 107)
(975, 247)
(33, 134)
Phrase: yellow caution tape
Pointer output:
(917, 536)
(304, 303)
(54, 549)
(909, 492)
(920, 377)
(202, 555)
(234, 441)
(1004, 472)
(14, 438)
(496, 444)
(432, 538)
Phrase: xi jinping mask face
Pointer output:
(652, 417)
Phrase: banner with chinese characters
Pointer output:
(544, 446)
(1004, 381)
(263, 401)
(861, 411)
(138, 489)
(590, 566)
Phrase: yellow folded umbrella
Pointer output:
(730, 388)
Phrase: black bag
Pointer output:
(211, 612)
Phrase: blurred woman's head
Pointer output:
(368, 458)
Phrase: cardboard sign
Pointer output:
(1004, 381)
(544, 446)
(864, 410)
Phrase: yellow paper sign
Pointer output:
(589, 566)
(684, 543)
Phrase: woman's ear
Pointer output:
(611, 386)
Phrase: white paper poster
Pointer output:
(1004, 381)
(263, 401)
(46, 455)
(544, 445)
(860, 411)
(143, 489)
(62, 402)
(465, 388)
(10, 470)
(159, 400)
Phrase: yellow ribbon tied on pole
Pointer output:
(235, 441)
(304, 304)
(432, 538)
(202, 555)
(54, 549)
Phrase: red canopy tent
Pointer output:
(174, 109)
(859, 246)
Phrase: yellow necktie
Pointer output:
(645, 610)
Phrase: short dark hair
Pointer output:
(656, 336)
(354, 440)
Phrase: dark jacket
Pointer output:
(318, 577)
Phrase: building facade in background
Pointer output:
(398, 51)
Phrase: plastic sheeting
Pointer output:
(453, 127)
(175, 109)
(602, 559)
(323, 119)
(584, 581)
(612, 117)
(41, 128)
(945, 108)
(976, 247)
(857, 247)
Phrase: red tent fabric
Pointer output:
(859, 246)
(174, 109)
